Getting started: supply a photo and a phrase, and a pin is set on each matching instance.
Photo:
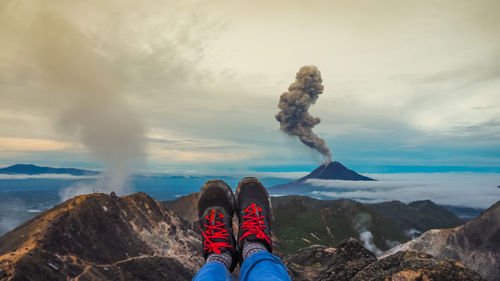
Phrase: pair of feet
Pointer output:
(216, 207)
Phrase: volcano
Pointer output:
(328, 171)
(334, 171)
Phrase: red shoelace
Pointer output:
(215, 230)
(253, 224)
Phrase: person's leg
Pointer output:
(263, 266)
(216, 210)
(213, 271)
(254, 238)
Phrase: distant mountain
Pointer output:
(328, 171)
(30, 169)
(417, 217)
(475, 244)
(334, 171)
(465, 213)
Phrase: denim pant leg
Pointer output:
(213, 271)
(263, 266)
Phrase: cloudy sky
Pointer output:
(410, 86)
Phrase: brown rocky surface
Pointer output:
(185, 206)
(323, 263)
(475, 244)
(413, 265)
(96, 236)
(351, 261)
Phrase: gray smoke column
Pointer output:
(86, 100)
(362, 222)
(294, 117)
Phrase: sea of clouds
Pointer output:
(476, 190)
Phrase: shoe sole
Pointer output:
(262, 187)
(217, 184)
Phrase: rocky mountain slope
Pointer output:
(351, 261)
(185, 207)
(416, 217)
(101, 237)
(476, 244)
(303, 221)
(105, 237)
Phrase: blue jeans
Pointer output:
(262, 266)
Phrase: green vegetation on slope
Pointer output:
(302, 221)
(420, 215)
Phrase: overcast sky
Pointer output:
(410, 86)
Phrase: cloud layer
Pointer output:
(459, 189)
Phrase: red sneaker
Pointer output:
(254, 213)
(216, 210)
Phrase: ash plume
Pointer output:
(294, 117)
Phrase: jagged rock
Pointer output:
(413, 265)
(322, 263)
(148, 268)
(351, 261)
(186, 207)
(475, 244)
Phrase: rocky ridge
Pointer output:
(351, 261)
(105, 237)
(476, 244)
(102, 237)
